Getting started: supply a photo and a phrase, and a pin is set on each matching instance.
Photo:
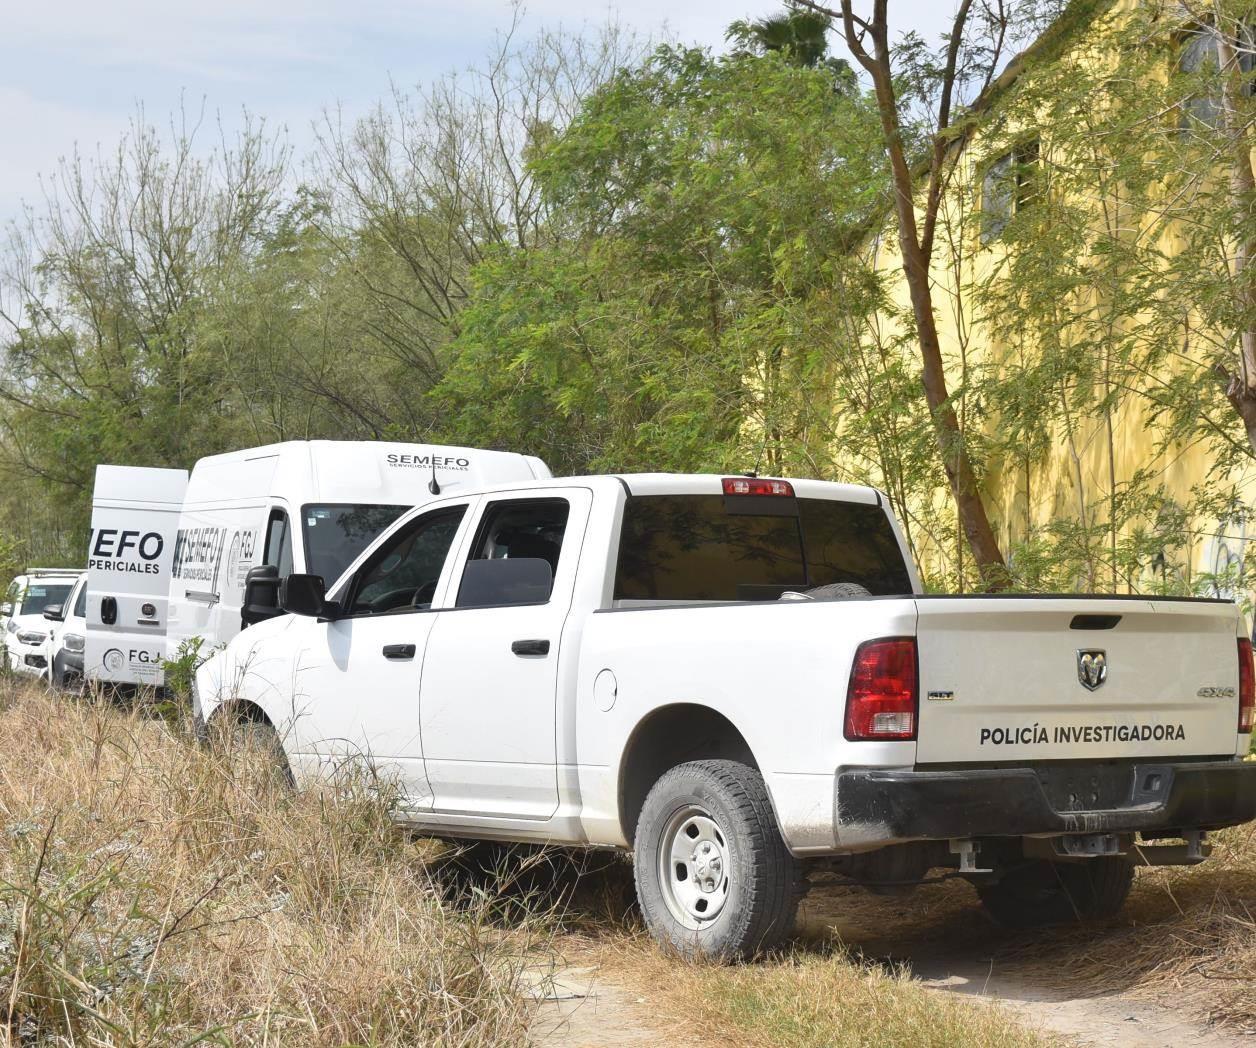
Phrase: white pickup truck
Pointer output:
(740, 680)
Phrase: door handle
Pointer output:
(399, 651)
(530, 647)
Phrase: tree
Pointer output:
(693, 230)
(801, 36)
(918, 105)
(436, 180)
(106, 290)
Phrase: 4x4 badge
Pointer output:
(1092, 667)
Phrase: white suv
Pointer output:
(25, 629)
(67, 633)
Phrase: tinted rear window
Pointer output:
(702, 547)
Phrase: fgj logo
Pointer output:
(138, 660)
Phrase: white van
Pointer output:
(135, 514)
(22, 615)
(252, 517)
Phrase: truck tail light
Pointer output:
(1247, 687)
(757, 486)
(882, 698)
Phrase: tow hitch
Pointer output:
(1089, 845)
(1193, 852)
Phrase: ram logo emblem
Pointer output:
(1092, 668)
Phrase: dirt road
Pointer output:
(1054, 982)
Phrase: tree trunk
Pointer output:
(947, 432)
(916, 255)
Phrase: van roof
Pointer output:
(353, 471)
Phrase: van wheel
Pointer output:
(714, 878)
(1043, 892)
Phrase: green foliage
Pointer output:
(801, 36)
(705, 214)
(180, 672)
(622, 260)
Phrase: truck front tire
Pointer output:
(259, 744)
(714, 878)
(1043, 892)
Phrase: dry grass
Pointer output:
(810, 1000)
(1187, 938)
(152, 892)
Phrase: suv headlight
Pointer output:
(73, 642)
(31, 637)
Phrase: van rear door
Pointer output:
(135, 515)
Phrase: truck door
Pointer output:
(355, 690)
(135, 516)
(491, 674)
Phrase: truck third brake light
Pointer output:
(757, 486)
(882, 698)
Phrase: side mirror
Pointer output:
(53, 613)
(303, 595)
(6, 609)
(261, 595)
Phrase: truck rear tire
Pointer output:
(1043, 892)
(714, 878)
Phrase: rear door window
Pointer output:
(528, 530)
(718, 548)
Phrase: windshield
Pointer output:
(335, 535)
(80, 603)
(711, 548)
(40, 595)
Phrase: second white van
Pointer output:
(252, 517)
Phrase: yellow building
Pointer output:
(1101, 450)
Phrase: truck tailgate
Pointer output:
(1042, 678)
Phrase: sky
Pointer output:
(74, 72)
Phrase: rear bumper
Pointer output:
(900, 804)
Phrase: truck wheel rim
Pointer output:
(694, 867)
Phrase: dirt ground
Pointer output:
(593, 995)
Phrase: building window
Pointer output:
(1011, 183)
(1197, 60)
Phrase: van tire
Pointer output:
(1044, 892)
(754, 892)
